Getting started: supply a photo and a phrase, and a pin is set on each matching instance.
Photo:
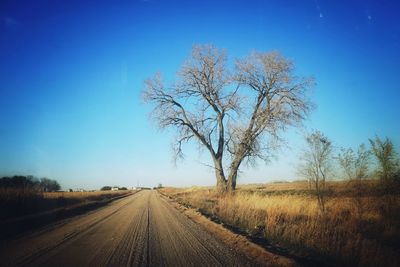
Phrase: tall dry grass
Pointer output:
(355, 230)
(86, 195)
(16, 202)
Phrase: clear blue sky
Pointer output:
(71, 74)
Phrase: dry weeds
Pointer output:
(355, 230)
(16, 202)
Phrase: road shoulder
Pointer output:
(234, 241)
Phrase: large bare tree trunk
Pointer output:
(233, 171)
(231, 184)
(221, 185)
(220, 175)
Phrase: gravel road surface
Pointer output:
(140, 230)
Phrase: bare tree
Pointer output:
(237, 115)
(316, 163)
(355, 165)
(386, 156)
(49, 185)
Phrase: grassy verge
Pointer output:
(30, 210)
(356, 229)
(22, 202)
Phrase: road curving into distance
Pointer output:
(140, 230)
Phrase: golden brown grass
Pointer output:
(356, 229)
(84, 195)
(16, 202)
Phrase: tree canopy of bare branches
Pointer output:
(388, 163)
(355, 165)
(316, 163)
(237, 114)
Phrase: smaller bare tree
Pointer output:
(356, 167)
(316, 164)
(388, 164)
(386, 156)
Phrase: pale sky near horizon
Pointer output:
(72, 74)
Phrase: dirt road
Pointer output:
(139, 230)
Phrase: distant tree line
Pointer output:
(30, 183)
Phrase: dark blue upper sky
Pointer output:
(72, 72)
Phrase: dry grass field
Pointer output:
(360, 226)
(19, 202)
(84, 196)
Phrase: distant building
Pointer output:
(115, 188)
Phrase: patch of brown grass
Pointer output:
(355, 230)
(16, 202)
(92, 195)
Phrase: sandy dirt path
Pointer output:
(139, 230)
